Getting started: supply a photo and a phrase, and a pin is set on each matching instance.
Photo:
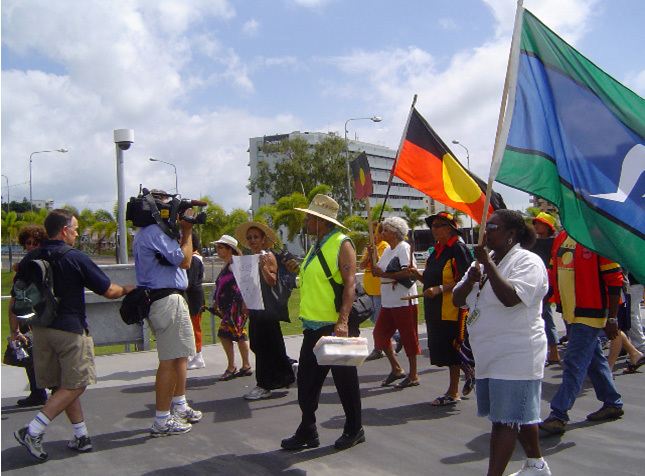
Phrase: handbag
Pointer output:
(362, 308)
(18, 354)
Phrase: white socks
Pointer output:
(38, 425)
(180, 403)
(79, 429)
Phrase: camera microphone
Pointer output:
(198, 203)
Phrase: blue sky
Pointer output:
(196, 79)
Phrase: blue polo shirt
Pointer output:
(73, 272)
(149, 243)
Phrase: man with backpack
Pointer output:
(63, 349)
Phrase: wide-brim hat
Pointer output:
(548, 220)
(324, 207)
(446, 217)
(228, 240)
(241, 231)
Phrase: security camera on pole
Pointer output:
(123, 138)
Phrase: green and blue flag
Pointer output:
(577, 139)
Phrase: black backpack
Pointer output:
(33, 292)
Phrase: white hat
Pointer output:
(324, 207)
(228, 241)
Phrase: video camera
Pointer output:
(146, 209)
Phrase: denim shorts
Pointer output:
(509, 401)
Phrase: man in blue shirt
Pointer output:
(160, 263)
(64, 351)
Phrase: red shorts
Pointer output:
(405, 319)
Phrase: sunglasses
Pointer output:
(30, 242)
(253, 237)
(436, 226)
(493, 226)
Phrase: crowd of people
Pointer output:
(488, 312)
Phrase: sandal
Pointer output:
(633, 368)
(391, 378)
(468, 386)
(229, 375)
(407, 383)
(244, 372)
(445, 400)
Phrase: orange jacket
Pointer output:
(595, 279)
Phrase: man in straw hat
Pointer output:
(321, 318)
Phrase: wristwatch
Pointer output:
(612, 320)
(441, 287)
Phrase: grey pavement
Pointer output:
(405, 434)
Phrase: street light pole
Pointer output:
(8, 200)
(471, 234)
(167, 163)
(63, 151)
(349, 175)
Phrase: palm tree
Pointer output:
(10, 224)
(285, 215)
(413, 218)
(104, 226)
(376, 210)
(265, 213)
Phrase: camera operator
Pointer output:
(160, 265)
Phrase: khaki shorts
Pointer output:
(171, 325)
(63, 359)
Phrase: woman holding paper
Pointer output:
(227, 303)
(273, 367)
(396, 313)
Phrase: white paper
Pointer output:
(246, 270)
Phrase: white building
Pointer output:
(380, 159)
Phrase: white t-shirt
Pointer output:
(391, 293)
(509, 343)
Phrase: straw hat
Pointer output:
(447, 217)
(545, 218)
(324, 207)
(228, 241)
(242, 230)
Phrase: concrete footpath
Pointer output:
(405, 434)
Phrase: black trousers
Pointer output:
(272, 365)
(311, 378)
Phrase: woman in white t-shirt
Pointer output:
(504, 294)
(397, 314)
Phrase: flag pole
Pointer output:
(505, 112)
(398, 153)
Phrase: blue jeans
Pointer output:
(376, 302)
(549, 325)
(584, 357)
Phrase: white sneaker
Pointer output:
(529, 469)
(196, 362)
(173, 426)
(187, 416)
(257, 393)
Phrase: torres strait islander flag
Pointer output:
(577, 139)
(427, 164)
(362, 177)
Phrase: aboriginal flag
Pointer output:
(427, 164)
(362, 176)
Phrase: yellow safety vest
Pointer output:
(316, 293)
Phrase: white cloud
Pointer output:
(251, 27)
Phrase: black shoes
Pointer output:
(297, 442)
(348, 440)
(33, 400)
